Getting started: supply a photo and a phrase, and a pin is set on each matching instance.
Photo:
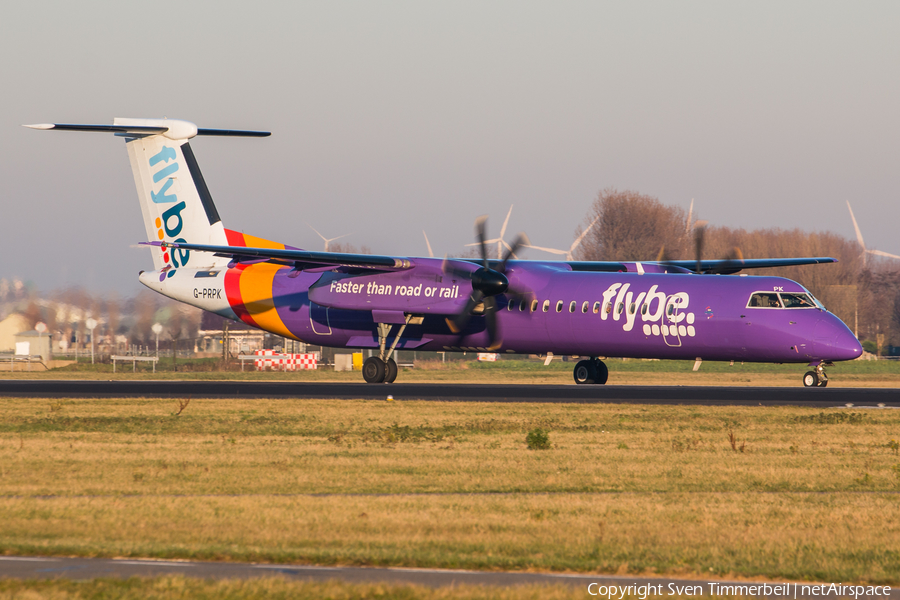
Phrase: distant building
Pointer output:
(33, 343)
(242, 338)
(9, 327)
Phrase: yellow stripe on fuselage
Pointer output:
(256, 294)
(251, 241)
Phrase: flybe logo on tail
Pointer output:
(170, 223)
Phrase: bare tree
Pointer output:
(633, 226)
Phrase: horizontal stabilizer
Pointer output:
(299, 259)
(170, 128)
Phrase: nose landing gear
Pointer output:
(591, 371)
(816, 378)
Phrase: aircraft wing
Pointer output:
(299, 259)
(733, 266)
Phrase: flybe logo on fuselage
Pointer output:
(661, 313)
(170, 223)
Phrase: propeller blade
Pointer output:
(699, 238)
(732, 263)
(427, 243)
(520, 241)
(463, 269)
(459, 322)
(508, 247)
(479, 233)
(493, 327)
(663, 256)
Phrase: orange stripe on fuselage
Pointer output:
(256, 296)
(249, 287)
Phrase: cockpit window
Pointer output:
(797, 300)
(764, 300)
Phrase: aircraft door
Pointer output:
(669, 326)
(319, 320)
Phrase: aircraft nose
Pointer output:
(847, 347)
(835, 341)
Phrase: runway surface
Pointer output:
(23, 567)
(588, 394)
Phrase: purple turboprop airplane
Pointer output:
(679, 309)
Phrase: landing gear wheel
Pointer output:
(373, 370)
(811, 379)
(823, 383)
(601, 372)
(390, 371)
(584, 372)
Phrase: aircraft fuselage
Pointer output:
(627, 314)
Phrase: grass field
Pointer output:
(882, 373)
(782, 493)
(174, 588)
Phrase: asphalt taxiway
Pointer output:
(28, 567)
(587, 394)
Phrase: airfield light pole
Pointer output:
(157, 329)
(40, 327)
(91, 324)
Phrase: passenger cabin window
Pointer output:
(572, 306)
(764, 300)
(596, 307)
(797, 300)
(534, 305)
(512, 304)
(584, 307)
(546, 306)
(559, 306)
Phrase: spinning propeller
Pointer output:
(732, 263)
(486, 284)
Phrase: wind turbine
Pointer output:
(862, 244)
(499, 240)
(328, 240)
(689, 225)
(568, 253)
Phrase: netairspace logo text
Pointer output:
(785, 590)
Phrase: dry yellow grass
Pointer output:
(802, 493)
(275, 588)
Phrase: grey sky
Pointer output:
(393, 117)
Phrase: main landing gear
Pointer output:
(383, 368)
(591, 371)
(816, 378)
(376, 370)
